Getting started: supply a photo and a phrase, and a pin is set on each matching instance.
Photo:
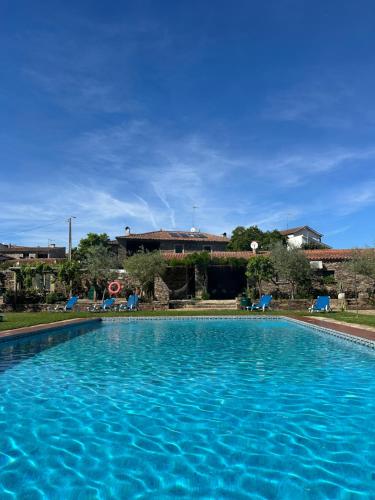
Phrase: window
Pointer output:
(206, 248)
(179, 249)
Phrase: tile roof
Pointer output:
(332, 254)
(293, 230)
(321, 254)
(175, 235)
(18, 248)
(237, 255)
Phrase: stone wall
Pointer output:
(346, 279)
(161, 290)
(180, 281)
(342, 280)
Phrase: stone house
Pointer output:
(176, 242)
(225, 281)
(17, 252)
(302, 235)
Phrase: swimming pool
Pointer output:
(219, 408)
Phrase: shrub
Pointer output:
(22, 297)
(328, 280)
(54, 297)
(144, 267)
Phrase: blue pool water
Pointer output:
(187, 409)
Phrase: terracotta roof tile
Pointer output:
(321, 254)
(175, 235)
(293, 230)
(331, 254)
(237, 255)
(18, 248)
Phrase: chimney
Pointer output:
(127, 231)
(225, 235)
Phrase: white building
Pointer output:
(302, 235)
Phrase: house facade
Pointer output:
(331, 276)
(302, 235)
(17, 252)
(175, 242)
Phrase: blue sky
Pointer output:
(130, 113)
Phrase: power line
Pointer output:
(37, 227)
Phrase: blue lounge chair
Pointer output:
(107, 304)
(69, 305)
(322, 304)
(264, 303)
(132, 304)
(104, 306)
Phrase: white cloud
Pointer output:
(139, 175)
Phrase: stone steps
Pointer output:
(211, 304)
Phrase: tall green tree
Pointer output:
(69, 273)
(362, 263)
(260, 268)
(99, 267)
(201, 261)
(242, 237)
(90, 241)
(144, 267)
(313, 245)
(292, 266)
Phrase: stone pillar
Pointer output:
(161, 291)
(200, 282)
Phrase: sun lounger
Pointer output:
(69, 305)
(322, 304)
(132, 304)
(263, 304)
(108, 304)
(104, 306)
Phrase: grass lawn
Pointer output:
(19, 320)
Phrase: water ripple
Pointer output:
(187, 409)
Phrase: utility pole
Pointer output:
(70, 248)
(70, 237)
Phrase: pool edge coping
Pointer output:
(330, 329)
(25, 331)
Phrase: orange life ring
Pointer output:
(114, 287)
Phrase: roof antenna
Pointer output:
(193, 228)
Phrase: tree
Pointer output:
(99, 267)
(91, 240)
(362, 263)
(144, 267)
(261, 269)
(69, 274)
(313, 245)
(200, 261)
(242, 237)
(292, 266)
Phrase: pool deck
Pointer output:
(361, 331)
(17, 333)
